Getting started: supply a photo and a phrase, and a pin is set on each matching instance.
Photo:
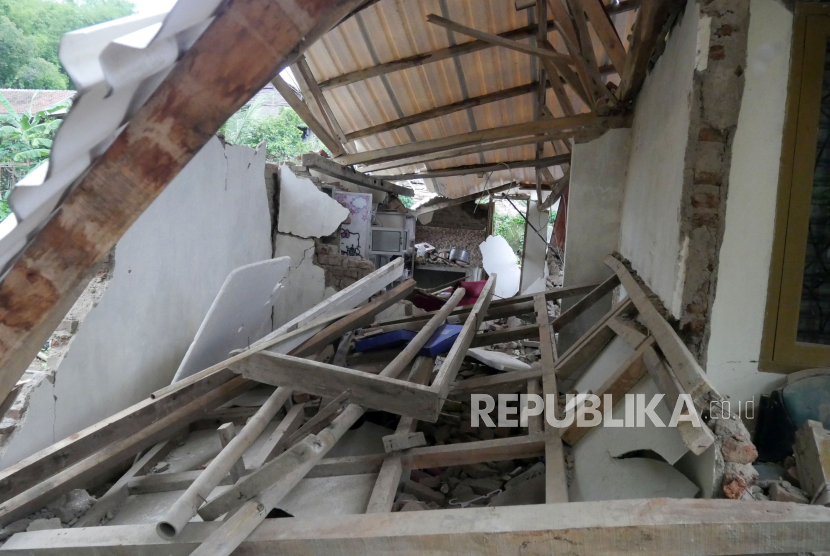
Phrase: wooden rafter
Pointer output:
(497, 40)
(302, 110)
(605, 30)
(317, 94)
(442, 111)
(450, 52)
(330, 168)
(484, 147)
(464, 139)
(487, 167)
(161, 138)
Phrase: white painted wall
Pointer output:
(169, 267)
(743, 266)
(650, 229)
(598, 170)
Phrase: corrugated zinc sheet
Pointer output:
(394, 29)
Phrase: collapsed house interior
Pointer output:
(257, 358)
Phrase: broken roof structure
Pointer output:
(691, 280)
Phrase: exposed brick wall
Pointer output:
(716, 102)
(341, 270)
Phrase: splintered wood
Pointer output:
(295, 449)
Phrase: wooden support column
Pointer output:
(219, 72)
(556, 480)
(317, 94)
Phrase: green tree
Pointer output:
(25, 142)
(41, 23)
(40, 74)
(15, 50)
(282, 134)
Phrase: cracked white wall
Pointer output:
(744, 260)
(169, 267)
(305, 212)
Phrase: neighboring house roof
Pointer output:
(271, 102)
(22, 99)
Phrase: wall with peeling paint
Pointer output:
(169, 266)
(744, 261)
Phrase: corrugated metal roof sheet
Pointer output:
(394, 29)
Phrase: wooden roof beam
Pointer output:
(442, 111)
(217, 72)
(331, 168)
(317, 94)
(486, 167)
(489, 146)
(498, 41)
(465, 139)
(447, 53)
(605, 30)
(302, 110)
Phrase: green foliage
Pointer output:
(408, 202)
(282, 134)
(512, 228)
(30, 32)
(25, 142)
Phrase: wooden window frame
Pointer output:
(780, 351)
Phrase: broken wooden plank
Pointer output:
(290, 96)
(556, 480)
(497, 40)
(155, 145)
(331, 168)
(117, 493)
(183, 510)
(278, 439)
(502, 382)
(464, 139)
(403, 441)
(391, 472)
(621, 381)
(660, 527)
(39, 466)
(498, 308)
(226, 433)
(697, 439)
(168, 482)
(606, 32)
(812, 454)
(546, 162)
(682, 362)
(506, 335)
(78, 475)
(357, 319)
(586, 302)
(453, 360)
(320, 379)
(588, 346)
(322, 419)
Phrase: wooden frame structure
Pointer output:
(166, 133)
(293, 452)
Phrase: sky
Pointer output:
(151, 6)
